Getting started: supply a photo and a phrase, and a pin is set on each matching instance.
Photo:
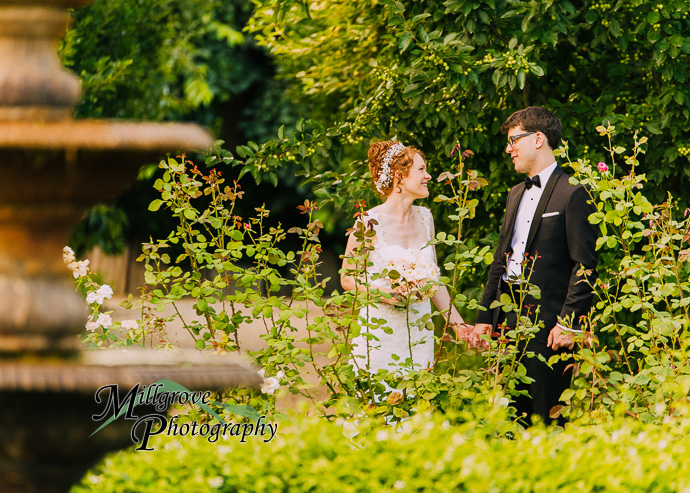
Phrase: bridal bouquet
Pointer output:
(413, 274)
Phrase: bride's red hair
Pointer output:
(399, 164)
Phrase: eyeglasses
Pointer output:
(514, 138)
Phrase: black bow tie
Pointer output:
(532, 181)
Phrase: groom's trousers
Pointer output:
(548, 383)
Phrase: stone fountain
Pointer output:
(52, 167)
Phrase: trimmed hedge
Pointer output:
(427, 454)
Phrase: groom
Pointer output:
(546, 219)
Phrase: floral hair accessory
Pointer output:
(385, 175)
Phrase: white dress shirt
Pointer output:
(523, 222)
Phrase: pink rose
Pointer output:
(602, 167)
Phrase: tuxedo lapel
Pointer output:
(511, 213)
(541, 207)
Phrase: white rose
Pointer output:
(270, 385)
(129, 324)
(68, 255)
(105, 320)
(91, 326)
(100, 295)
(79, 269)
(105, 291)
(92, 298)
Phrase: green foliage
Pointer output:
(103, 226)
(437, 71)
(239, 271)
(158, 60)
(429, 453)
(639, 363)
(169, 60)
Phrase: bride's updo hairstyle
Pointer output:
(387, 160)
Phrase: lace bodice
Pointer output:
(383, 251)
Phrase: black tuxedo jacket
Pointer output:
(562, 240)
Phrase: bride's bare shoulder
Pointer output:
(373, 213)
(376, 210)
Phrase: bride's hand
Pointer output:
(475, 337)
(397, 297)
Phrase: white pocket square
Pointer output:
(550, 214)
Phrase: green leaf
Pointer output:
(201, 305)
(685, 45)
(521, 79)
(405, 41)
(496, 77)
(155, 205)
(241, 410)
(653, 127)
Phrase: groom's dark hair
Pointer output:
(536, 119)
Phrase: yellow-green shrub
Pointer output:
(427, 454)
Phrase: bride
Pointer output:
(401, 231)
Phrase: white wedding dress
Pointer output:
(371, 354)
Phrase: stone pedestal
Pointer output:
(45, 438)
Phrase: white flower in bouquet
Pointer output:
(414, 274)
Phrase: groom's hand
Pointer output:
(560, 338)
(475, 337)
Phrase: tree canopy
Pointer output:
(168, 60)
(431, 73)
(436, 72)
